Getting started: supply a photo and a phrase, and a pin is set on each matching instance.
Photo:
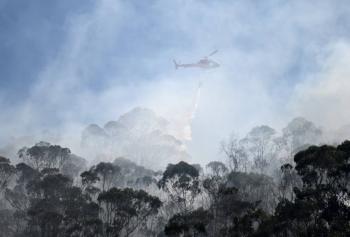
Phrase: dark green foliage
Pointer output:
(255, 187)
(124, 210)
(6, 220)
(106, 173)
(6, 172)
(44, 155)
(26, 173)
(321, 205)
(311, 199)
(190, 224)
(181, 183)
(288, 181)
(182, 170)
(58, 207)
(89, 178)
(234, 215)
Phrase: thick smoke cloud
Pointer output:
(324, 98)
(278, 60)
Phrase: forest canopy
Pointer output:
(267, 186)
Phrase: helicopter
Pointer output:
(204, 63)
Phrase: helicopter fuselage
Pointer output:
(203, 63)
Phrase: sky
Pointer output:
(65, 64)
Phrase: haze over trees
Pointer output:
(271, 184)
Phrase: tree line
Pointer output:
(52, 193)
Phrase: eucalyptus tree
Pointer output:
(104, 174)
(7, 171)
(260, 144)
(44, 155)
(236, 154)
(124, 210)
(321, 204)
(181, 182)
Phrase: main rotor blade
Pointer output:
(214, 52)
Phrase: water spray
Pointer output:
(204, 63)
(196, 101)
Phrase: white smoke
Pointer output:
(324, 98)
(92, 81)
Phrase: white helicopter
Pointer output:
(204, 63)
